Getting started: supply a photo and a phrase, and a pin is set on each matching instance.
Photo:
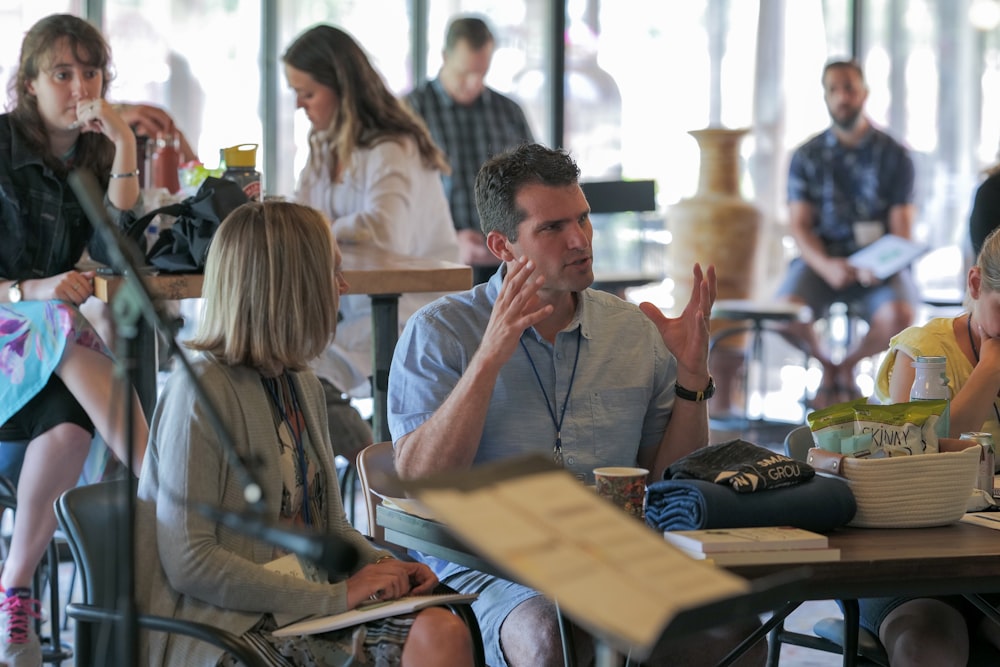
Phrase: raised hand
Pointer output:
(517, 307)
(99, 115)
(687, 336)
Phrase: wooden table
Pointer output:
(947, 560)
(368, 269)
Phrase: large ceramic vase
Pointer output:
(715, 226)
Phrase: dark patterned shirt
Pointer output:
(469, 135)
(848, 184)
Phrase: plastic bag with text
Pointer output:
(861, 430)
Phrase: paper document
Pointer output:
(408, 505)
(371, 612)
(887, 256)
(611, 573)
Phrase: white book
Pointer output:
(886, 256)
(762, 538)
(369, 612)
(729, 558)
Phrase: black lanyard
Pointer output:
(557, 453)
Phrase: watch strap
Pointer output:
(697, 396)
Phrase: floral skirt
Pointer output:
(33, 339)
(379, 644)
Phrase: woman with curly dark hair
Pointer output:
(56, 379)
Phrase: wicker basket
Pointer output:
(912, 491)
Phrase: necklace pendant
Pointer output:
(557, 456)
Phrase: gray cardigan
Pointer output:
(189, 566)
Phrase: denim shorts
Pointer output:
(874, 610)
(806, 285)
(497, 598)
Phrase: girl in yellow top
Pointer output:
(971, 344)
(938, 631)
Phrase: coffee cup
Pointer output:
(623, 486)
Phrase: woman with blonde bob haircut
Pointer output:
(270, 310)
(272, 286)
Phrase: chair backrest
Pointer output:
(377, 472)
(798, 443)
(91, 517)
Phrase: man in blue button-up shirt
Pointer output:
(848, 186)
(536, 360)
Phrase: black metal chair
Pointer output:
(87, 514)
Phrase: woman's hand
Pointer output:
(72, 286)
(99, 115)
(389, 579)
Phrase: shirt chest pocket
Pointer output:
(616, 419)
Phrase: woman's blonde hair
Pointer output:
(270, 291)
(367, 111)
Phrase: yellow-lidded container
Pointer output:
(243, 155)
(241, 161)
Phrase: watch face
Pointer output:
(14, 293)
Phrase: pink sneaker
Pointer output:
(20, 647)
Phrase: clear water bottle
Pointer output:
(930, 380)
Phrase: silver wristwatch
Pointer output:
(14, 294)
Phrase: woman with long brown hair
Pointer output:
(375, 172)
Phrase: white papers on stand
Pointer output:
(609, 572)
(887, 256)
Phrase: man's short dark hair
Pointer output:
(470, 28)
(502, 176)
(842, 63)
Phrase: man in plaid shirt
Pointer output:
(470, 122)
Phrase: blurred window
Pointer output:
(15, 19)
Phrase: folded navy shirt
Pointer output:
(818, 504)
(746, 467)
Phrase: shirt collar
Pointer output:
(583, 317)
(446, 100)
(833, 142)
